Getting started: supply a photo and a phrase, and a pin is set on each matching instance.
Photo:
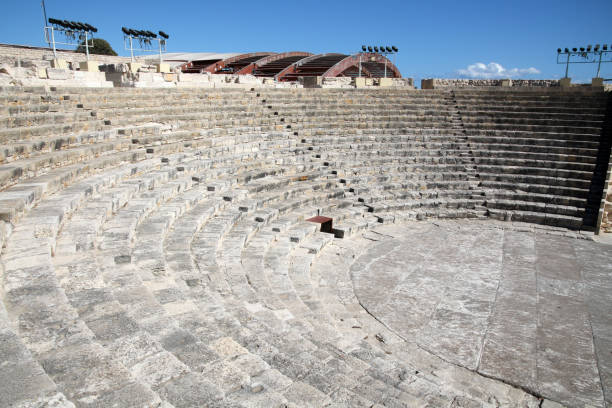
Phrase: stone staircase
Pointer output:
(156, 250)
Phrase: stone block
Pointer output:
(597, 82)
(427, 84)
(56, 73)
(386, 82)
(41, 73)
(313, 82)
(133, 67)
(169, 77)
(369, 81)
(360, 82)
(163, 68)
(59, 64)
(565, 82)
(505, 83)
(89, 66)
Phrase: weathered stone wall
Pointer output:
(606, 220)
(13, 53)
(472, 83)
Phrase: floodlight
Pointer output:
(389, 49)
(581, 49)
(363, 48)
(382, 48)
(375, 49)
(589, 47)
(566, 51)
(164, 35)
(558, 50)
(596, 48)
(574, 49)
(74, 25)
(369, 48)
(394, 48)
(605, 47)
(54, 21)
(125, 31)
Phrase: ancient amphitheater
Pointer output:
(156, 250)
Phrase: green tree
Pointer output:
(101, 47)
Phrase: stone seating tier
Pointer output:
(169, 261)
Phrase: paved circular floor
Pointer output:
(531, 308)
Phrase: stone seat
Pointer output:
(536, 123)
(555, 220)
(22, 196)
(535, 171)
(532, 128)
(575, 115)
(521, 184)
(524, 155)
(536, 207)
(537, 180)
(553, 164)
(493, 107)
(24, 133)
(551, 140)
(559, 200)
(510, 147)
(29, 119)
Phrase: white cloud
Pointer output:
(494, 70)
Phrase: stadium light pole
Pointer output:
(588, 54)
(42, 3)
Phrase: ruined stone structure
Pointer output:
(156, 250)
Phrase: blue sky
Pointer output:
(435, 38)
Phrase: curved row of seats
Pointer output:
(534, 154)
(169, 261)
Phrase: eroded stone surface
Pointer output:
(530, 308)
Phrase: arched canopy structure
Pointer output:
(372, 65)
(195, 62)
(314, 65)
(236, 63)
(288, 66)
(273, 64)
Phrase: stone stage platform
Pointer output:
(527, 306)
